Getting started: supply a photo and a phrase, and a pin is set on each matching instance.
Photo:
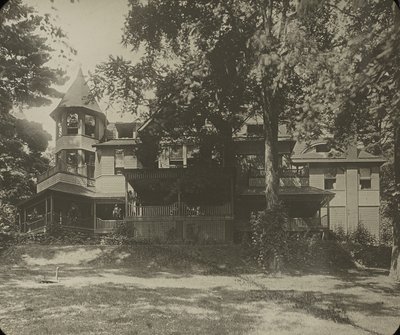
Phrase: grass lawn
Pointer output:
(183, 290)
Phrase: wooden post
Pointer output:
(232, 195)
(24, 220)
(45, 211)
(126, 198)
(328, 214)
(94, 216)
(184, 154)
(19, 222)
(51, 209)
(179, 200)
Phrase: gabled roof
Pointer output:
(351, 155)
(316, 157)
(78, 96)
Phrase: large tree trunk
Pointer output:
(395, 266)
(271, 154)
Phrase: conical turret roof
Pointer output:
(78, 96)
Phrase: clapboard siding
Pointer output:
(107, 161)
(339, 200)
(337, 218)
(130, 161)
(375, 178)
(111, 184)
(75, 142)
(368, 198)
(317, 177)
(369, 218)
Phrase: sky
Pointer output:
(94, 29)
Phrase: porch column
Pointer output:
(94, 215)
(51, 209)
(328, 214)
(179, 200)
(19, 221)
(232, 195)
(24, 220)
(45, 211)
(184, 154)
(126, 197)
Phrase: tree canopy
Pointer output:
(26, 80)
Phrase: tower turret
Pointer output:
(80, 123)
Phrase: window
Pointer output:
(119, 161)
(89, 161)
(255, 130)
(72, 123)
(365, 178)
(72, 161)
(330, 179)
(90, 125)
(322, 148)
(176, 157)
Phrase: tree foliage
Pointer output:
(26, 80)
(321, 67)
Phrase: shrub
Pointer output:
(8, 222)
(364, 249)
(269, 237)
(386, 232)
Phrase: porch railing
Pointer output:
(107, 224)
(36, 224)
(84, 223)
(287, 177)
(179, 210)
(304, 223)
(85, 170)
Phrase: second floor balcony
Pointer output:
(287, 177)
(85, 170)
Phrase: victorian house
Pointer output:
(98, 181)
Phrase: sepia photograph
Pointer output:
(216, 167)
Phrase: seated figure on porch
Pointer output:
(117, 214)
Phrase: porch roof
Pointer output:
(294, 193)
(117, 142)
(72, 190)
(141, 174)
(62, 188)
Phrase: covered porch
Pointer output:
(182, 204)
(70, 207)
(303, 205)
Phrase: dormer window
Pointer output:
(322, 148)
(255, 130)
(72, 124)
(90, 125)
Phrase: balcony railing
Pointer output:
(85, 170)
(179, 210)
(288, 177)
(310, 223)
(282, 172)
